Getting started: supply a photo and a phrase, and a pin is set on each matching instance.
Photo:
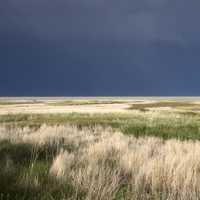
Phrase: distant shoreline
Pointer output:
(99, 97)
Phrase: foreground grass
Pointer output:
(66, 162)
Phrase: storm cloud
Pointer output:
(99, 47)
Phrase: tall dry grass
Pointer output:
(103, 164)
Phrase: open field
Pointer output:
(93, 105)
(100, 148)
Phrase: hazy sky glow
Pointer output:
(99, 47)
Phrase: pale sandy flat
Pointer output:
(45, 109)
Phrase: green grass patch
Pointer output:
(14, 118)
(181, 132)
(172, 104)
(35, 120)
(25, 175)
(19, 102)
(23, 153)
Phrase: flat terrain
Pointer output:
(100, 148)
(95, 105)
(61, 105)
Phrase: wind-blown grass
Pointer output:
(66, 162)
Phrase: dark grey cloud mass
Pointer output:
(99, 47)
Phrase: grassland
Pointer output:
(66, 162)
(149, 151)
(182, 126)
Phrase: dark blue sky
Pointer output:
(99, 47)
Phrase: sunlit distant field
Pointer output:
(100, 148)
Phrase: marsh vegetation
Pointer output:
(137, 154)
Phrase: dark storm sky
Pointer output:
(99, 47)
